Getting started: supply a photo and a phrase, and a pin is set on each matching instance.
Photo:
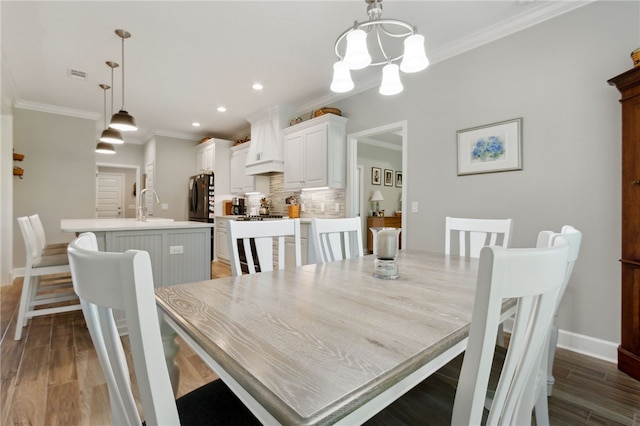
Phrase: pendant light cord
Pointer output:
(122, 74)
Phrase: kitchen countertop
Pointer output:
(234, 217)
(86, 225)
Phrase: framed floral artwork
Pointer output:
(491, 148)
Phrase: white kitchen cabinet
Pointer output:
(222, 239)
(206, 156)
(240, 182)
(315, 153)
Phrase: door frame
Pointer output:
(353, 193)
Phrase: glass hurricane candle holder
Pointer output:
(385, 265)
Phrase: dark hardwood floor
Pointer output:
(52, 376)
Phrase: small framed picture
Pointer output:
(388, 177)
(399, 179)
(376, 175)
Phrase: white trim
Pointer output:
(381, 144)
(53, 109)
(590, 346)
(582, 344)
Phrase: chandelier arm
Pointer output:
(375, 22)
(384, 54)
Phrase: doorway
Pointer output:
(394, 138)
(112, 191)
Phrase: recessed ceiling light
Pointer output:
(221, 109)
(257, 86)
(195, 124)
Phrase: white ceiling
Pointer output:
(185, 58)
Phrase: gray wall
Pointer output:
(554, 76)
(175, 161)
(59, 172)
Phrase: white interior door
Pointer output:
(109, 195)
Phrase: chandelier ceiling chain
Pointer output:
(357, 55)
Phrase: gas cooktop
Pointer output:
(259, 217)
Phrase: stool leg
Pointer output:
(24, 303)
(553, 342)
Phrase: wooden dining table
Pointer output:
(327, 343)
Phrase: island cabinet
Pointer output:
(222, 239)
(240, 182)
(315, 153)
(306, 248)
(628, 84)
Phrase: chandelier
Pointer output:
(365, 46)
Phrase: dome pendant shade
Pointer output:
(105, 148)
(123, 122)
(341, 82)
(391, 84)
(112, 136)
(357, 55)
(414, 58)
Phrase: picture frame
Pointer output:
(388, 177)
(398, 179)
(376, 176)
(495, 147)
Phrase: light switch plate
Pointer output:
(414, 207)
(176, 249)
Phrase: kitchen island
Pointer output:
(180, 251)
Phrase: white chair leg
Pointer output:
(24, 304)
(553, 342)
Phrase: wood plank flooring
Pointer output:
(52, 376)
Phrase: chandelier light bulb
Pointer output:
(341, 82)
(357, 55)
(415, 58)
(391, 84)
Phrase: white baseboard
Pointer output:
(590, 346)
(586, 345)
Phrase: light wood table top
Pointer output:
(313, 345)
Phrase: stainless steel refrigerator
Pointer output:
(202, 201)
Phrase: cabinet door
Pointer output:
(209, 157)
(315, 157)
(200, 157)
(237, 176)
(293, 161)
(222, 241)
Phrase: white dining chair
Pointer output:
(41, 238)
(260, 244)
(473, 234)
(124, 281)
(545, 239)
(336, 239)
(533, 277)
(35, 292)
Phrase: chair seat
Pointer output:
(196, 407)
(52, 260)
(48, 251)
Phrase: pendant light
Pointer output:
(110, 135)
(105, 147)
(122, 120)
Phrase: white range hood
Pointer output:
(266, 153)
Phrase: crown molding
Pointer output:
(380, 144)
(53, 109)
(172, 134)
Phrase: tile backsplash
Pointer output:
(313, 201)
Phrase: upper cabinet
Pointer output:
(206, 156)
(240, 181)
(315, 153)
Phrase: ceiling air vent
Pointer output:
(77, 74)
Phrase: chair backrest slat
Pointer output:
(337, 239)
(473, 234)
(258, 238)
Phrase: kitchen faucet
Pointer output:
(142, 210)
